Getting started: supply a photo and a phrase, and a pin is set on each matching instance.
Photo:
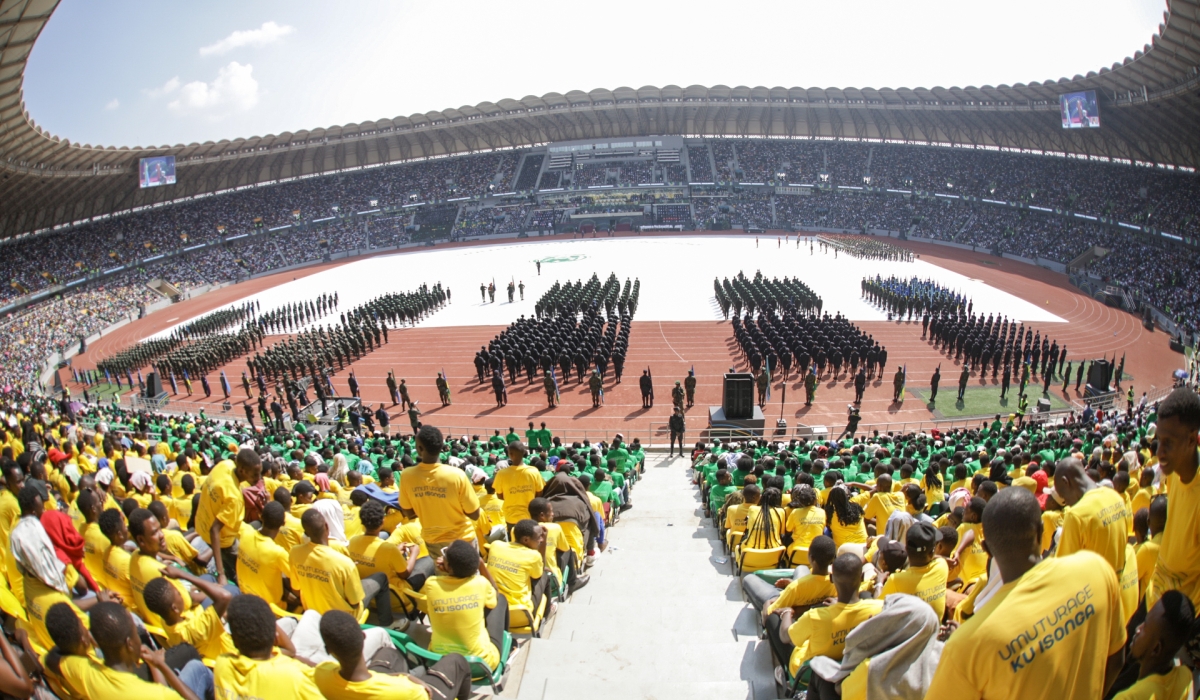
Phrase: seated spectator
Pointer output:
(466, 613)
(120, 676)
(258, 669)
(263, 566)
(1087, 653)
(328, 580)
(822, 631)
(204, 630)
(349, 678)
(518, 568)
(1168, 626)
(925, 574)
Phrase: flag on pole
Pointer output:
(904, 379)
(767, 369)
(554, 377)
(174, 386)
(140, 382)
(224, 383)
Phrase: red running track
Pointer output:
(671, 348)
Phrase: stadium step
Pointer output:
(661, 618)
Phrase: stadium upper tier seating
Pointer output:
(1164, 200)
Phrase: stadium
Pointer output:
(970, 345)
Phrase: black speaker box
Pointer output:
(738, 397)
(153, 385)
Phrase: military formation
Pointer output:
(218, 321)
(913, 298)
(580, 328)
(864, 248)
(761, 294)
(997, 343)
(293, 316)
(576, 298)
(198, 358)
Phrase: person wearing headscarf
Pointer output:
(32, 549)
(332, 512)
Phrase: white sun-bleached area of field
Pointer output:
(676, 273)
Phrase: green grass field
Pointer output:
(984, 401)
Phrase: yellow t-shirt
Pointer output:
(883, 505)
(925, 582)
(973, 561)
(116, 574)
(847, 534)
(514, 566)
(143, 570)
(441, 496)
(221, 499)
(1129, 583)
(456, 607)
(95, 544)
(179, 547)
(204, 631)
(291, 534)
(1178, 567)
(1051, 520)
(517, 486)
(1175, 685)
(822, 631)
(180, 509)
(1147, 556)
(805, 525)
(87, 678)
(327, 580)
(556, 542)
(1070, 622)
(410, 533)
(378, 687)
(803, 592)
(38, 600)
(756, 526)
(737, 516)
(491, 509)
(242, 678)
(261, 566)
(372, 555)
(1099, 523)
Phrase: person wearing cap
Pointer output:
(925, 575)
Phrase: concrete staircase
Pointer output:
(662, 618)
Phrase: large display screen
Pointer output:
(157, 171)
(1079, 110)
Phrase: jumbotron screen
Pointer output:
(1079, 110)
(156, 171)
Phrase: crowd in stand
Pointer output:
(1008, 560)
(1132, 194)
(154, 556)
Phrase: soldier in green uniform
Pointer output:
(595, 384)
(443, 388)
(551, 391)
(677, 396)
(403, 389)
(898, 384)
(810, 387)
(689, 386)
(762, 381)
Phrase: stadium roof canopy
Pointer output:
(1150, 107)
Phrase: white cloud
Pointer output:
(112, 104)
(233, 90)
(268, 33)
(165, 89)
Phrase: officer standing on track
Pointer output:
(647, 387)
(596, 385)
(962, 381)
(498, 388)
(860, 385)
(689, 386)
(443, 388)
(548, 385)
(677, 396)
(391, 385)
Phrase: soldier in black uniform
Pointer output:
(933, 383)
(647, 388)
(689, 386)
(860, 385)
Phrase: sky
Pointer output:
(140, 73)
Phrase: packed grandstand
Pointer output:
(1026, 553)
